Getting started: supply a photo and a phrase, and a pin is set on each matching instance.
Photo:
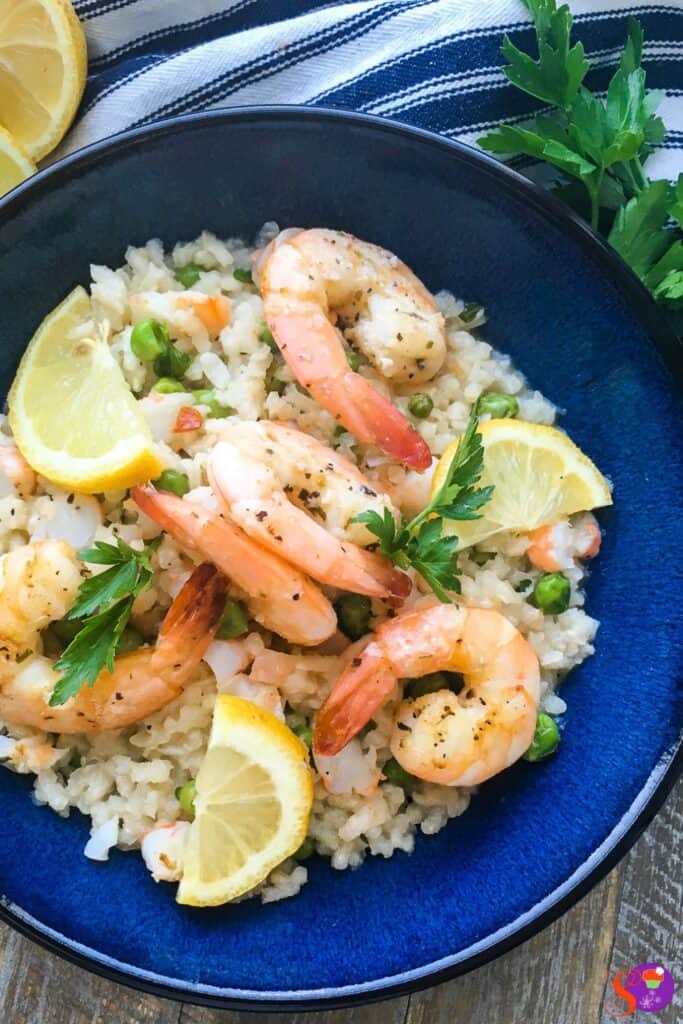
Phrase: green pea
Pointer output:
(266, 336)
(434, 681)
(306, 850)
(353, 359)
(217, 410)
(189, 274)
(420, 406)
(398, 776)
(129, 640)
(149, 340)
(173, 481)
(546, 739)
(353, 613)
(168, 386)
(235, 621)
(273, 382)
(243, 275)
(185, 795)
(172, 362)
(551, 593)
(498, 405)
(470, 312)
(305, 732)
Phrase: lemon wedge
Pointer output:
(539, 476)
(254, 797)
(15, 166)
(43, 67)
(73, 416)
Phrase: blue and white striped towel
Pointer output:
(431, 63)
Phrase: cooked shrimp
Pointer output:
(163, 849)
(455, 740)
(315, 279)
(15, 473)
(38, 584)
(554, 547)
(279, 596)
(186, 313)
(298, 498)
(141, 682)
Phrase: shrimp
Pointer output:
(554, 547)
(141, 682)
(453, 739)
(314, 279)
(38, 584)
(279, 596)
(15, 473)
(281, 485)
(187, 312)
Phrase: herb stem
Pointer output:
(638, 173)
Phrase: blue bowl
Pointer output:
(582, 328)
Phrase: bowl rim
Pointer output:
(664, 773)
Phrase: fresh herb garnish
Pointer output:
(103, 605)
(601, 145)
(419, 543)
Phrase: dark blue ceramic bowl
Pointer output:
(579, 324)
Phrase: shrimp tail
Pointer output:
(376, 420)
(360, 690)
(193, 618)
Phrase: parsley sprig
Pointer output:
(419, 543)
(601, 145)
(104, 604)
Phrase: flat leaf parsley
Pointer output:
(601, 145)
(419, 543)
(104, 604)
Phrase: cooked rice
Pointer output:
(132, 775)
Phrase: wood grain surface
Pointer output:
(558, 977)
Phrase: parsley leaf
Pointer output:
(419, 543)
(637, 233)
(92, 649)
(104, 603)
(598, 146)
(559, 70)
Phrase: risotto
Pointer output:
(136, 783)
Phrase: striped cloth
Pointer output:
(430, 63)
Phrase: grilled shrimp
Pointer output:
(141, 682)
(188, 313)
(318, 283)
(38, 584)
(15, 473)
(555, 547)
(453, 739)
(279, 596)
(298, 498)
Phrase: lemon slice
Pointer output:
(254, 796)
(15, 166)
(73, 416)
(43, 67)
(539, 476)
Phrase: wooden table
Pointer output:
(559, 977)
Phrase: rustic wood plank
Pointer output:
(392, 1011)
(39, 988)
(650, 919)
(558, 976)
